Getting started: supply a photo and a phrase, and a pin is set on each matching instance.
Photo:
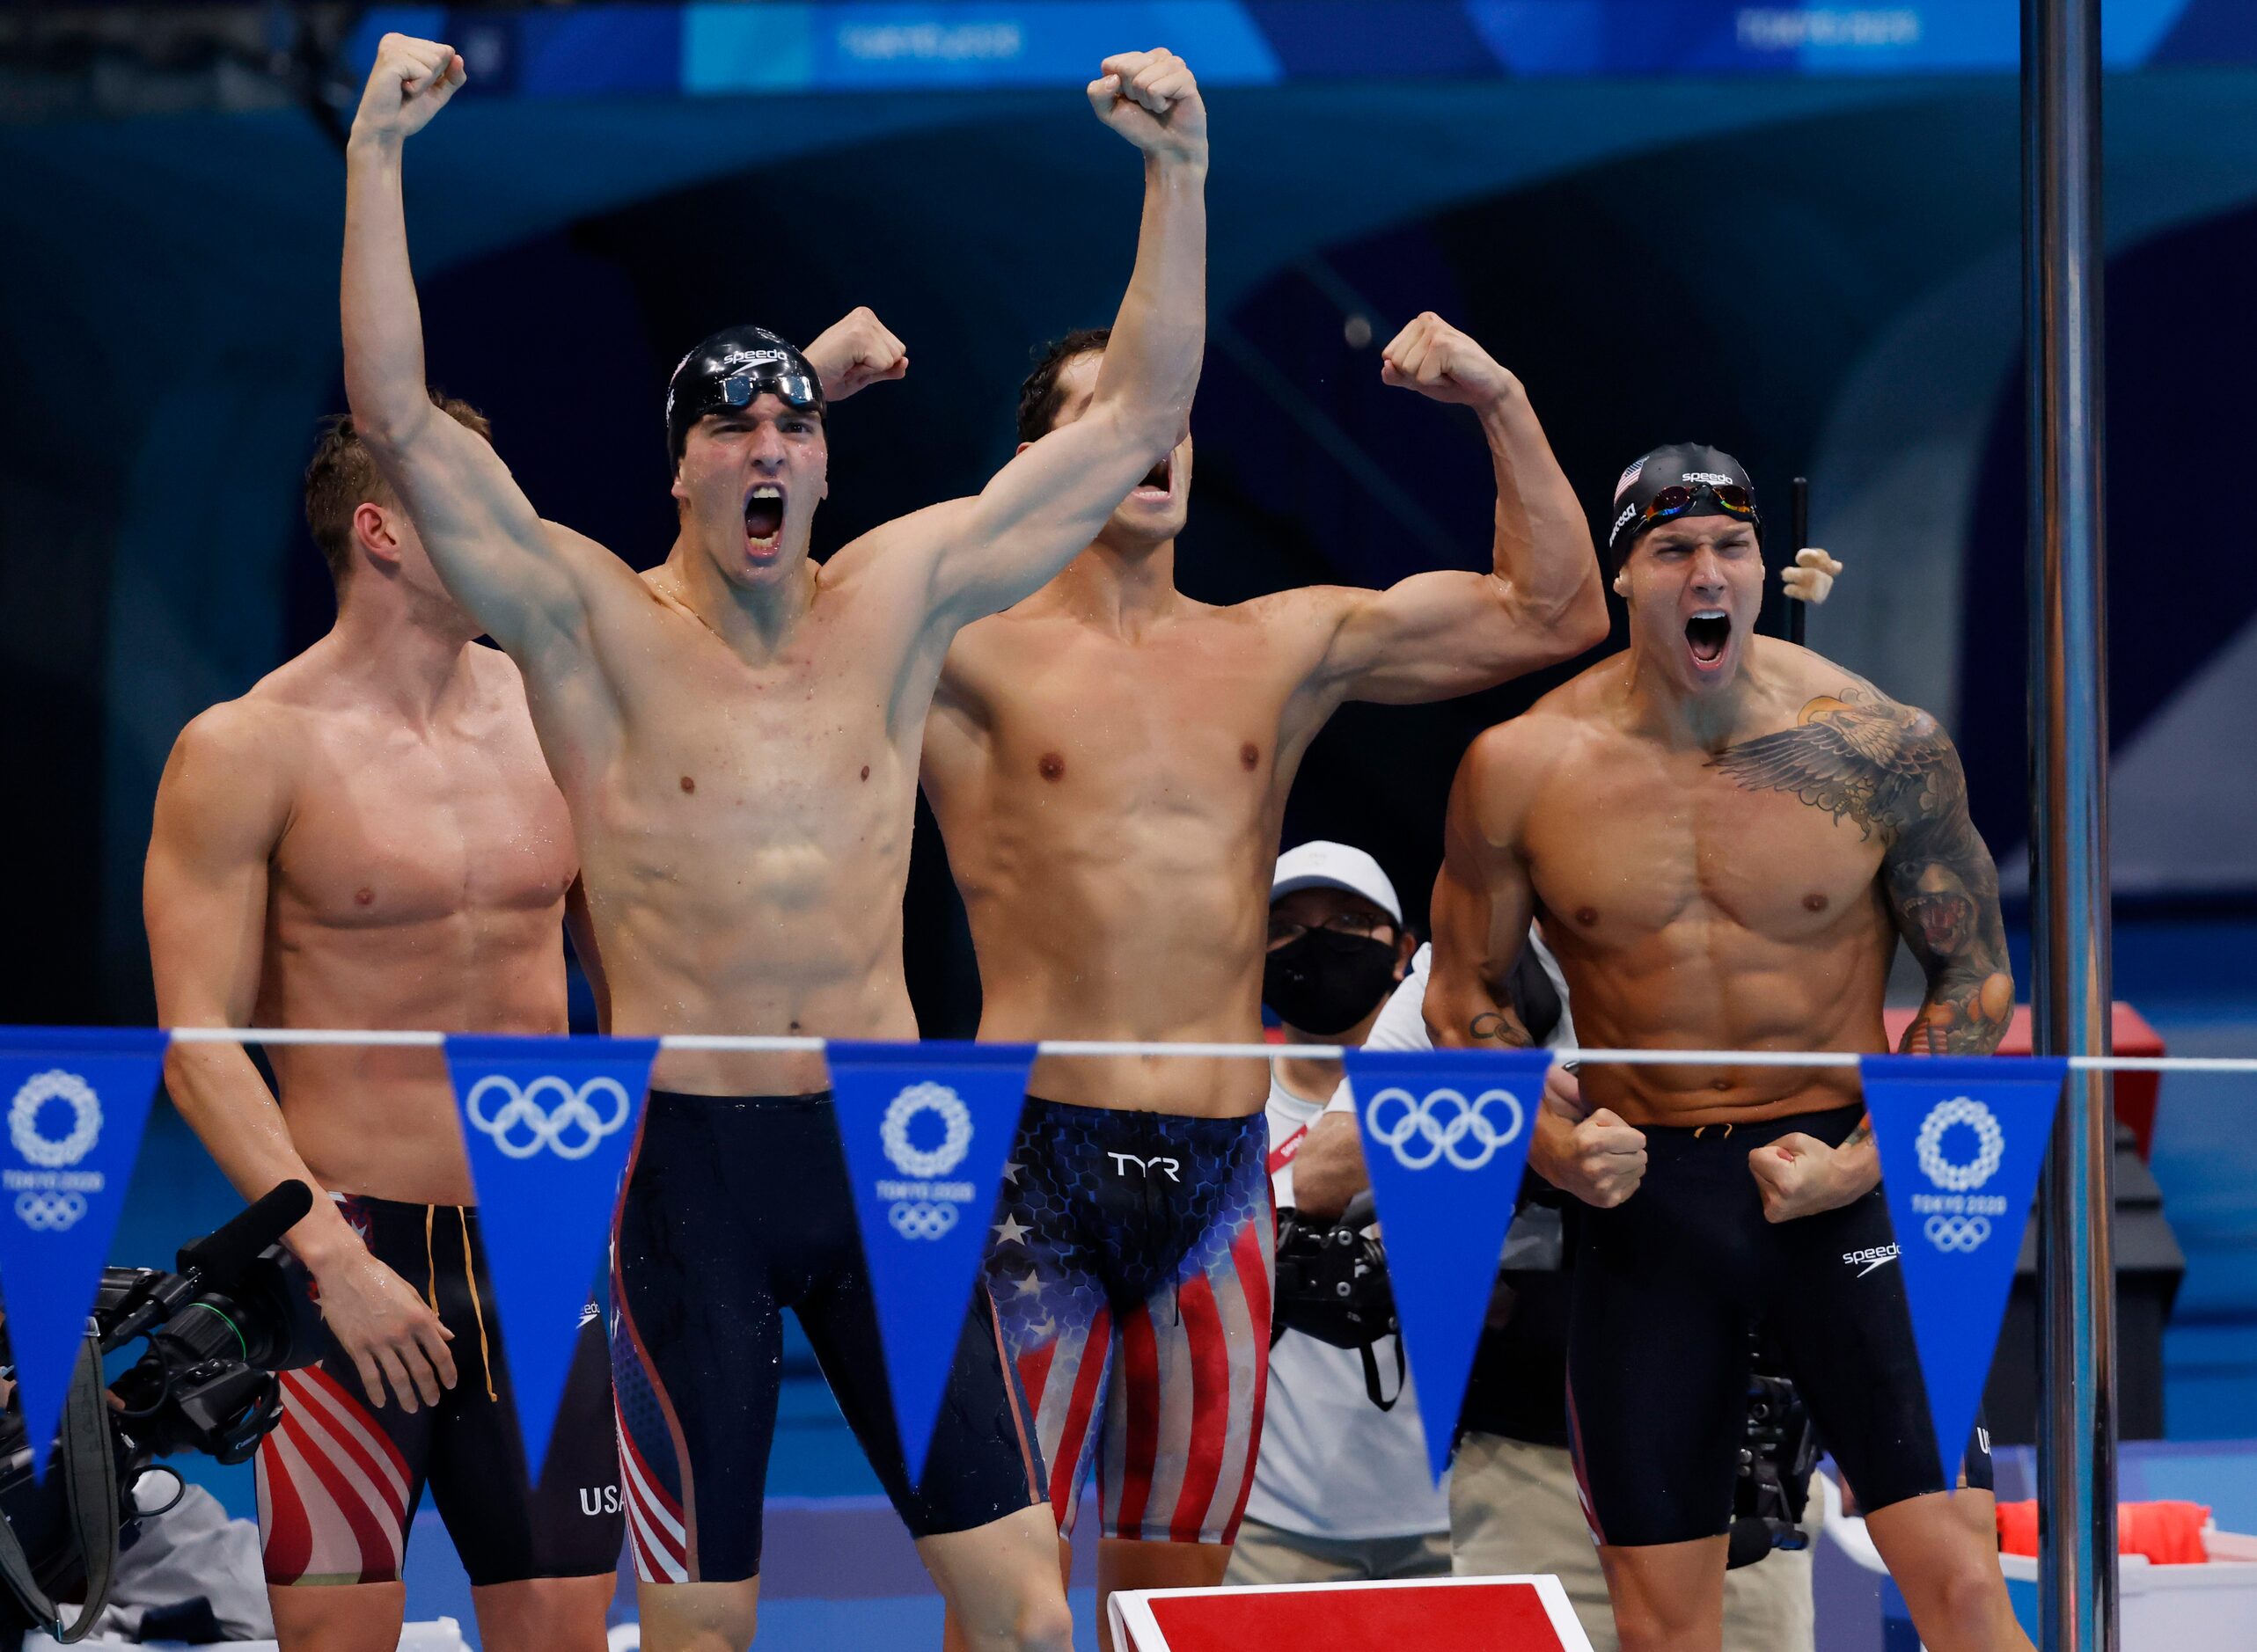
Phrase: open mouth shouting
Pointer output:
(1708, 634)
(1159, 483)
(764, 520)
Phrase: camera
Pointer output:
(1778, 1453)
(236, 1310)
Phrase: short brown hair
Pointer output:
(1039, 397)
(342, 477)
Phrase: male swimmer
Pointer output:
(1108, 763)
(737, 741)
(1724, 837)
(369, 838)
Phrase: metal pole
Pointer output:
(2068, 822)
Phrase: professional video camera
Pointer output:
(1332, 1284)
(236, 1309)
(1777, 1456)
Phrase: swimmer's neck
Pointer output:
(755, 621)
(400, 649)
(1656, 705)
(1116, 589)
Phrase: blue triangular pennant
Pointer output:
(1961, 1141)
(927, 1129)
(1445, 1134)
(549, 1122)
(77, 1099)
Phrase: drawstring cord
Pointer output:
(470, 1273)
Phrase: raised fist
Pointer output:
(1150, 99)
(411, 81)
(856, 351)
(1433, 358)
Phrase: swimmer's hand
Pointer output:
(391, 1333)
(1811, 579)
(854, 352)
(411, 81)
(1799, 1175)
(1593, 1155)
(1150, 99)
(1433, 358)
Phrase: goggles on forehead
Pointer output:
(1675, 499)
(793, 390)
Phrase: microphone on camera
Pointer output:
(220, 1255)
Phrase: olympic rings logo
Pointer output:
(1945, 1172)
(51, 1152)
(920, 1218)
(1423, 1132)
(908, 1159)
(570, 1129)
(50, 1212)
(1957, 1232)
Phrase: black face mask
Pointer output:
(1325, 982)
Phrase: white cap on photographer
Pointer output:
(1328, 865)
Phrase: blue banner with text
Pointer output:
(927, 1129)
(549, 1122)
(78, 1099)
(1962, 1140)
(1445, 1134)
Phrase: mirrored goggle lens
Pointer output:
(793, 390)
(1675, 499)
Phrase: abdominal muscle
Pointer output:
(1734, 990)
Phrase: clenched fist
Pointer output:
(1150, 99)
(856, 351)
(1433, 358)
(1593, 1155)
(411, 81)
(1811, 579)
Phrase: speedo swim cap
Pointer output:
(733, 369)
(1702, 471)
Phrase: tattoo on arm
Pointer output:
(1500, 1026)
(1858, 1137)
(1892, 771)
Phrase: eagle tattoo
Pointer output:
(1881, 764)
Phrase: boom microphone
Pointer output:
(221, 1254)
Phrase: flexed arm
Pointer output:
(1453, 630)
(1046, 505)
(513, 572)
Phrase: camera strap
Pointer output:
(91, 1486)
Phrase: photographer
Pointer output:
(1341, 1487)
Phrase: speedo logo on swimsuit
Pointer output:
(1866, 1261)
(1159, 1162)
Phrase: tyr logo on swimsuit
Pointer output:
(1158, 1161)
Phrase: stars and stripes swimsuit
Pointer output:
(1131, 1265)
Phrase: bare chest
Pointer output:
(394, 828)
(1184, 734)
(1624, 852)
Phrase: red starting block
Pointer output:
(1434, 1614)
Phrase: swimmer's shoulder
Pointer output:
(240, 758)
(1804, 678)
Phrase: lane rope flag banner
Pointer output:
(1962, 1140)
(77, 1099)
(1446, 1136)
(927, 1129)
(549, 1122)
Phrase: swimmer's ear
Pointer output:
(1622, 583)
(1021, 447)
(373, 532)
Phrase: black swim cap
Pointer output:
(731, 369)
(1677, 465)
